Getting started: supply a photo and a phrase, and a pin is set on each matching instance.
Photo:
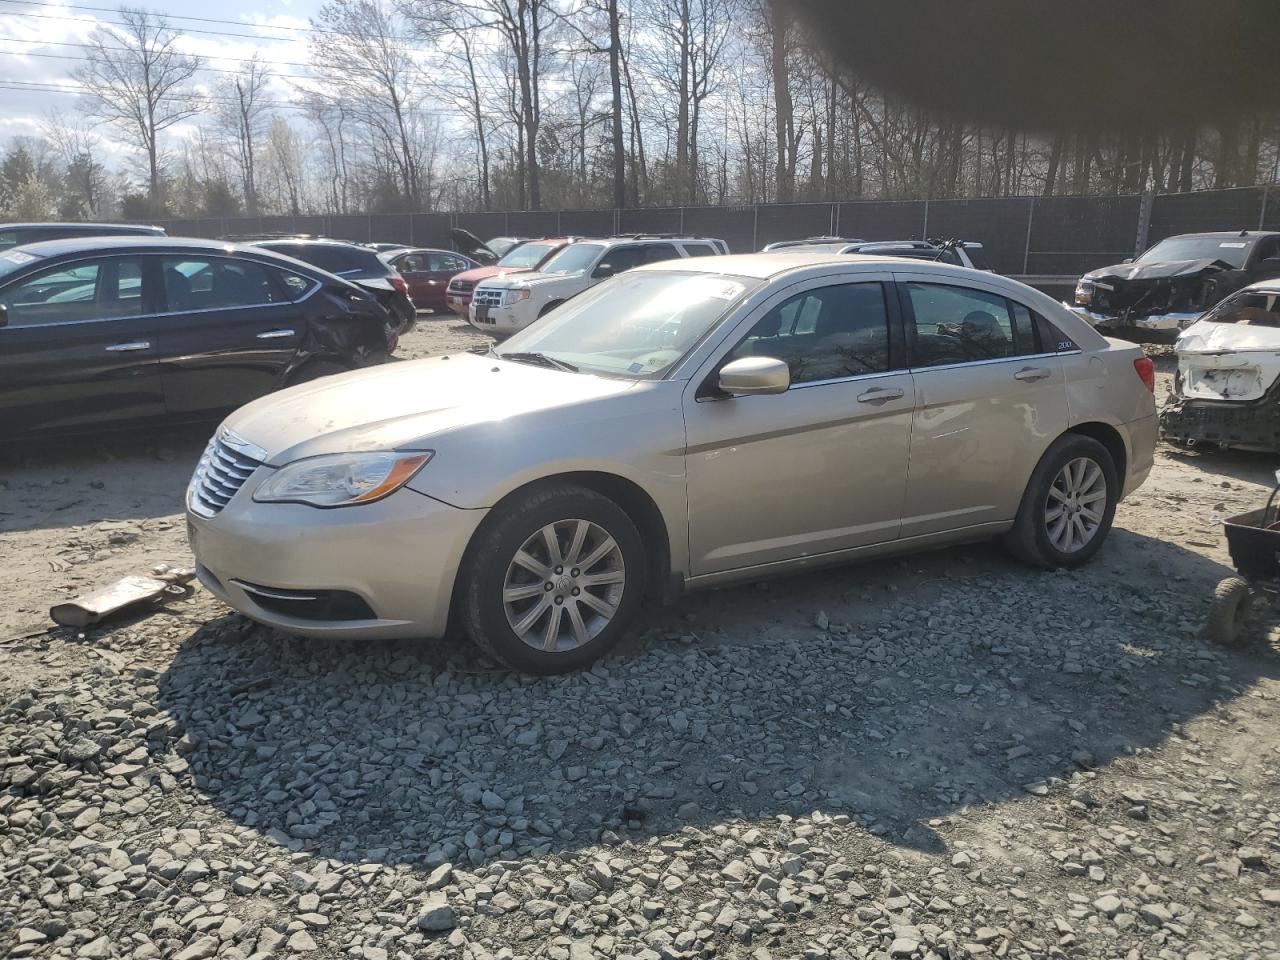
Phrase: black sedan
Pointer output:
(360, 265)
(97, 331)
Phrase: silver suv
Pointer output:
(504, 304)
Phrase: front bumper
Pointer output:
(1156, 328)
(500, 319)
(1239, 424)
(400, 556)
(459, 303)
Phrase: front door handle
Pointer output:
(1032, 373)
(881, 394)
(274, 334)
(129, 347)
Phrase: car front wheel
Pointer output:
(553, 580)
(1068, 506)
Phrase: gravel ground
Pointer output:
(945, 756)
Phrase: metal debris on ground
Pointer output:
(126, 593)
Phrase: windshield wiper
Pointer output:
(533, 357)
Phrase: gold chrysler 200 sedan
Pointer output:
(683, 425)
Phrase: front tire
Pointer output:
(553, 580)
(1068, 506)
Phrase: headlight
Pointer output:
(1084, 292)
(341, 479)
(516, 295)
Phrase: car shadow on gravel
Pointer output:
(122, 475)
(903, 700)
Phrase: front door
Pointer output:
(989, 401)
(79, 348)
(228, 331)
(817, 469)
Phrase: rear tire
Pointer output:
(1228, 612)
(1068, 506)
(552, 580)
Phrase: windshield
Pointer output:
(1234, 252)
(574, 258)
(1248, 309)
(527, 255)
(635, 324)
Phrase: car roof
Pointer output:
(77, 224)
(65, 245)
(1224, 235)
(307, 241)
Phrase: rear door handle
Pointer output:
(129, 347)
(881, 394)
(274, 334)
(1033, 373)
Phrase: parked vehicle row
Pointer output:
(681, 425)
(109, 330)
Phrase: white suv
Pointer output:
(504, 304)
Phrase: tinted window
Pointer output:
(658, 252)
(210, 283)
(332, 257)
(105, 289)
(620, 259)
(978, 257)
(824, 334)
(957, 325)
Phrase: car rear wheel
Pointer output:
(1068, 506)
(553, 580)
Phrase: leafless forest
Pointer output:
(424, 105)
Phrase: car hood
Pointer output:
(470, 245)
(532, 278)
(1157, 269)
(404, 405)
(487, 273)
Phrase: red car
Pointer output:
(529, 255)
(428, 272)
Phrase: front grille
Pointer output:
(461, 286)
(489, 298)
(227, 463)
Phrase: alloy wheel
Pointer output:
(563, 586)
(1076, 504)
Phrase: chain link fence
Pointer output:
(1038, 237)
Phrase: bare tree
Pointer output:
(138, 81)
(243, 114)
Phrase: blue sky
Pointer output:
(38, 37)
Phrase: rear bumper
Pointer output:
(1243, 425)
(1142, 451)
(382, 570)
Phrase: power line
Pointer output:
(90, 46)
(67, 56)
(115, 11)
(116, 23)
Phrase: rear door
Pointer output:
(79, 348)
(989, 401)
(441, 267)
(228, 330)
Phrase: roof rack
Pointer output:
(246, 237)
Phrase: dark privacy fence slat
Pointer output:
(1057, 236)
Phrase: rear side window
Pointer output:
(699, 250)
(211, 283)
(447, 262)
(105, 289)
(978, 257)
(960, 325)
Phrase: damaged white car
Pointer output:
(1226, 391)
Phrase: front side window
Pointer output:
(634, 325)
(106, 289)
(211, 283)
(960, 325)
(411, 263)
(824, 334)
(446, 262)
(656, 253)
(620, 259)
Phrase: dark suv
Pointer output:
(359, 265)
(105, 330)
(16, 234)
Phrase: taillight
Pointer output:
(401, 284)
(1146, 368)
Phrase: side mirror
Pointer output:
(1127, 260)
(750, 376)
(603, 271)
(4, 315)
